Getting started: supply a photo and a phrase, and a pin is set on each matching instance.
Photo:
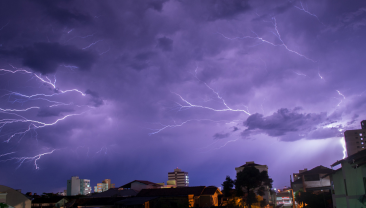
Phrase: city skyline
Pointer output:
(131, 90)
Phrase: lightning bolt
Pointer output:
(190, 105)
(277, 34)
(306, 11)
(92, 44)
(45, 80)
(7, 154)
(21, 160)
(13, 115)
(343, 142)
(4, 26)
(320, 76)
(300, 74)
(177, 125)
(32, 123)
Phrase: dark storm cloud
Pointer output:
(283, 122)
(95, 99)
(157, 4)
(153, 48)
(47, 57)
(212, 10)
(65, 16)
(278, 9)
(221, 135)
(141, 60)
(52, 111)
(165, 44)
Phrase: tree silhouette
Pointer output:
(227, 186)
(252, 182)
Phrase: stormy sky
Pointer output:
(132, 89)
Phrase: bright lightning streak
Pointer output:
(177, 125)
(306, 11)
(92, 44)
(226, 144)
(45, 80)
(35, 158)
(190, 105)
(277, 34)
(344, 147)
(341, 94)
(19, 110)
(7, 154)
(33, 123)
(300, 74)
(320, 76)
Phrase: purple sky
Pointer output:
(200, 85)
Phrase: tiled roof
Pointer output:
(135, 201)
(248, 164)
(47, 200)
(128, 185)
(180, 191)
(357, 156)
(114, 192)
(210, 190)
(317, 170)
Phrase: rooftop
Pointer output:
(128, 185)
(181, 191)
(317, 170)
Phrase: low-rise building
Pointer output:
(104, 186)
(349, 181)
(196, 196)
(138, 185)
(312, 180)
(13, 198)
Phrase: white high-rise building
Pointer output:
(355, 139)
(181, 178)
(76, 186)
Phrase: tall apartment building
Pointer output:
(104, 186)
(355, 139)
(77, 186)
(181, 178)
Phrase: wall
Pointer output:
(15, 198)
(137, 186)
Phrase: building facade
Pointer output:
(104, 186)
(77, 186)
(267, 193)
(181, 178)
(14, 198)
(355, 139)
(314, 180)
(349, 181)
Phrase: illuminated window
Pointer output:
(360, 134)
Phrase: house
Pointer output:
(196, 196)
(46, 202)
(114, 192)
(105, 202)
(349, 181)
(312, 180)
(138, 185)
(13, 198)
